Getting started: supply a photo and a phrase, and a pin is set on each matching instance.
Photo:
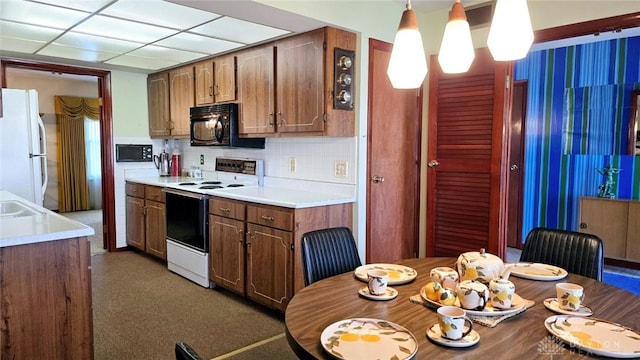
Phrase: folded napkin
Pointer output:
(490, 321)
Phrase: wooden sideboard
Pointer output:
(616, 222)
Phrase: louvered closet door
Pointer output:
(466, 125)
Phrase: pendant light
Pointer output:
(408, 64)
(511, 34)
(456, 50)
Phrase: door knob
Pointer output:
(377, 179)
(514, 167)
(433, 163)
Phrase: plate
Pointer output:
(435, 334)
(595, 336)
(398, 274)
(553, 305)
(517, 303)
(391, 293)
(366, 338)
(538, 271)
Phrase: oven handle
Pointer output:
(185, 193)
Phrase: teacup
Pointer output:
(502, 291)
(445, 276)
(451, 320)
(378, 280)
(473, 295)
(569, 295)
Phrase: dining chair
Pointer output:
(576, 252)
(328, 252)
(186, 352)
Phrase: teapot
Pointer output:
(473, 295)
(480, 266)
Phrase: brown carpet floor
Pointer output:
(141, 309)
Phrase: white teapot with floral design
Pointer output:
(479, 266)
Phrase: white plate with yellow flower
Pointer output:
(538, 271)
(595, 336)
(398, 274)
(517, 304)
(366, 338)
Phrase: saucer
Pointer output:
(436, 336)
(552, 304)
(391, 293)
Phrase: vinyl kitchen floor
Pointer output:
(141, 309)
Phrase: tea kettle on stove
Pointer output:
(163, 164)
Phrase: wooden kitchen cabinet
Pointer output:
(286, 88)
(171, 94)
(158, 102)
(616, 222)
(215, 80)
(227, 244)
(146, 224)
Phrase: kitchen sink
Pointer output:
(13, 209)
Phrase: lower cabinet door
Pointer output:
(135, 222)
(156, 229)
(227, 253)
(269, 266)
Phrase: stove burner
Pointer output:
(211, 187)
(235, 185)
(187, 183)
(212, 182)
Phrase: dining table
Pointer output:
(524, 336)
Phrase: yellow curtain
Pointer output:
(73, 187)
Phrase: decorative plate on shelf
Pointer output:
(595, 336)
(538, 271)
(516, 305)
(398, 274)
(366, 338)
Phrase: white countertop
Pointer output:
(42, 225)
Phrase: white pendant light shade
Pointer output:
(456, 50)
(511, 34)
(408, 64)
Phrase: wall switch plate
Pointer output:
(340, 169)
(292, 164)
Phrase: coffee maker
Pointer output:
(163, 164)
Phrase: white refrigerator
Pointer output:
(23, 159)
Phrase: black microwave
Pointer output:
(217, 125)
(134, 153)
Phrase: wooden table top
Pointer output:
(333, 299)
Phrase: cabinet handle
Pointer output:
(210, 90)
(267, 218)
(225, 209)
(270, 119)
(217, 90)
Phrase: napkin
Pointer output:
(489, 321)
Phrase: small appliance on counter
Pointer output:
(163, 164)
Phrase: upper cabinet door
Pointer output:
(300, 83)
(182, 98)
(256, 90)
(204, 82)
(225, 78)
(158, 95)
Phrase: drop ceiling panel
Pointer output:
(83, 5)
(203, 44)
(40, 14)
(238, 30)
(19, 45)
(96, 43)
(142, 62)
(122, 29)
(159, 52)
(27, 32)
(160, 13)
(69, 52)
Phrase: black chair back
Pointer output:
(576, 252)
(186, 352)
(328, 252)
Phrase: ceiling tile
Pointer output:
(69, 52)
(28, 32)
(142, 62)
(159, 52)
(20, 45)
(198, 43)
(122, 29)
(84, 5)
(238, 30)
(96, 43)
(40, 14)
(161, 13)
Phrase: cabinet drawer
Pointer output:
(154, 193)
(227, 208)
(274, 217)
(135, 190)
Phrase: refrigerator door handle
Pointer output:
(43, 155)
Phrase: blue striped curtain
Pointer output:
(576, 91)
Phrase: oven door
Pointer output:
(186, 215)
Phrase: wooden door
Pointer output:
(156, 229)
(135, 222)
(227, 260)
(182, 98)
(204, 82)
(299, 84)
(256, 91)
(158, 94)
(464, 177)
(515, 183)
(393, 153)
(225, 78)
